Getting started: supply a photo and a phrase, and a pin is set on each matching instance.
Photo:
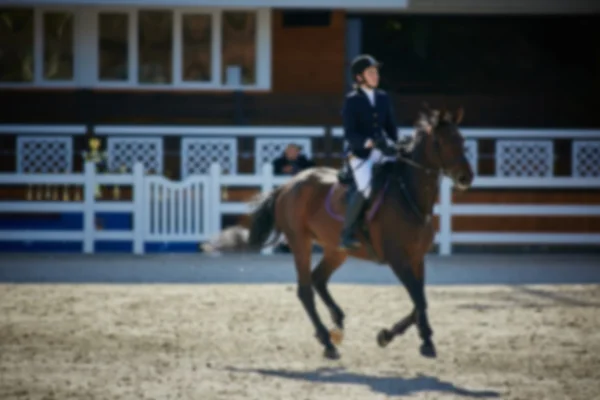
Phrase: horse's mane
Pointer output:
(424, 125)
(427, 122)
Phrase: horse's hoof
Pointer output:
(336, 335)
(332, 354)
(428, 350)
(384, 337)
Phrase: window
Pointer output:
(113, 46)
(137, 48)
(16, 45)
(239, 45)
(197, 47)
(155, 46)
(58, 46)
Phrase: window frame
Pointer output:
(86, 50)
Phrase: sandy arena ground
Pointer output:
(208, 342)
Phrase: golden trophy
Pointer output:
(116, 192)
(117, 188)
(54, 192)
(47, 193)
(97, 157)
(77, 194)
(65, 196)
(29, 193)
(38, 193)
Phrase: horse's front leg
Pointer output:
(415, 286)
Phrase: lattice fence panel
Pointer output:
(586, 158)
(44, 154)
(524, 158)
(197, 154)
(268, 149)
(127, 151)
(471, 154)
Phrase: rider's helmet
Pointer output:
(362, 62)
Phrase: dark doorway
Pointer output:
(485, 54)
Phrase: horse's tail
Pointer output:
(238, 238)
(263, 221)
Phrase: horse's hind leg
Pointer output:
(331, 260)
(301, 247)
(385, 336)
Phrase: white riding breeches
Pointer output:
(363, 170)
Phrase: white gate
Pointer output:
(176, 210)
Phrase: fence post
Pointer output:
(445, 246)
(139, 208)
(89, 201)
(215, 198)
(266, 187)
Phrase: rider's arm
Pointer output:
(350, 120)
(390, 122)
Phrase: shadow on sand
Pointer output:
(388, 385)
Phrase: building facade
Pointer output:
(526, 65)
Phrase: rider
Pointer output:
(367, 114)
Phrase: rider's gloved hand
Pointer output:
(385, 148)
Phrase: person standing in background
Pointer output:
(291, 161)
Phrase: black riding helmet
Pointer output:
(362, 62)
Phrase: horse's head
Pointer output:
(444, 146)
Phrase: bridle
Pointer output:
(428, 170)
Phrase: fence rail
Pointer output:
(182, 151)
(191, 210)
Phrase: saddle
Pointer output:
(382, 173)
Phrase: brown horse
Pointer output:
(397, 228)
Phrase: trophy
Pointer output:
(29, 193)
(54, 193)
(116, 192)
(65, 196)
(97, 157)
(116, 188)
(38, 193)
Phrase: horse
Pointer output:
(397, 227)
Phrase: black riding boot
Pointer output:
(353, 210)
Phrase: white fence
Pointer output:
(517, 153)
(191, 210)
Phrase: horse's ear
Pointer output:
(460, 113)
(446, 115)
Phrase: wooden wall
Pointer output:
(309, 59)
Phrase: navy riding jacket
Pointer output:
(363, 121)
